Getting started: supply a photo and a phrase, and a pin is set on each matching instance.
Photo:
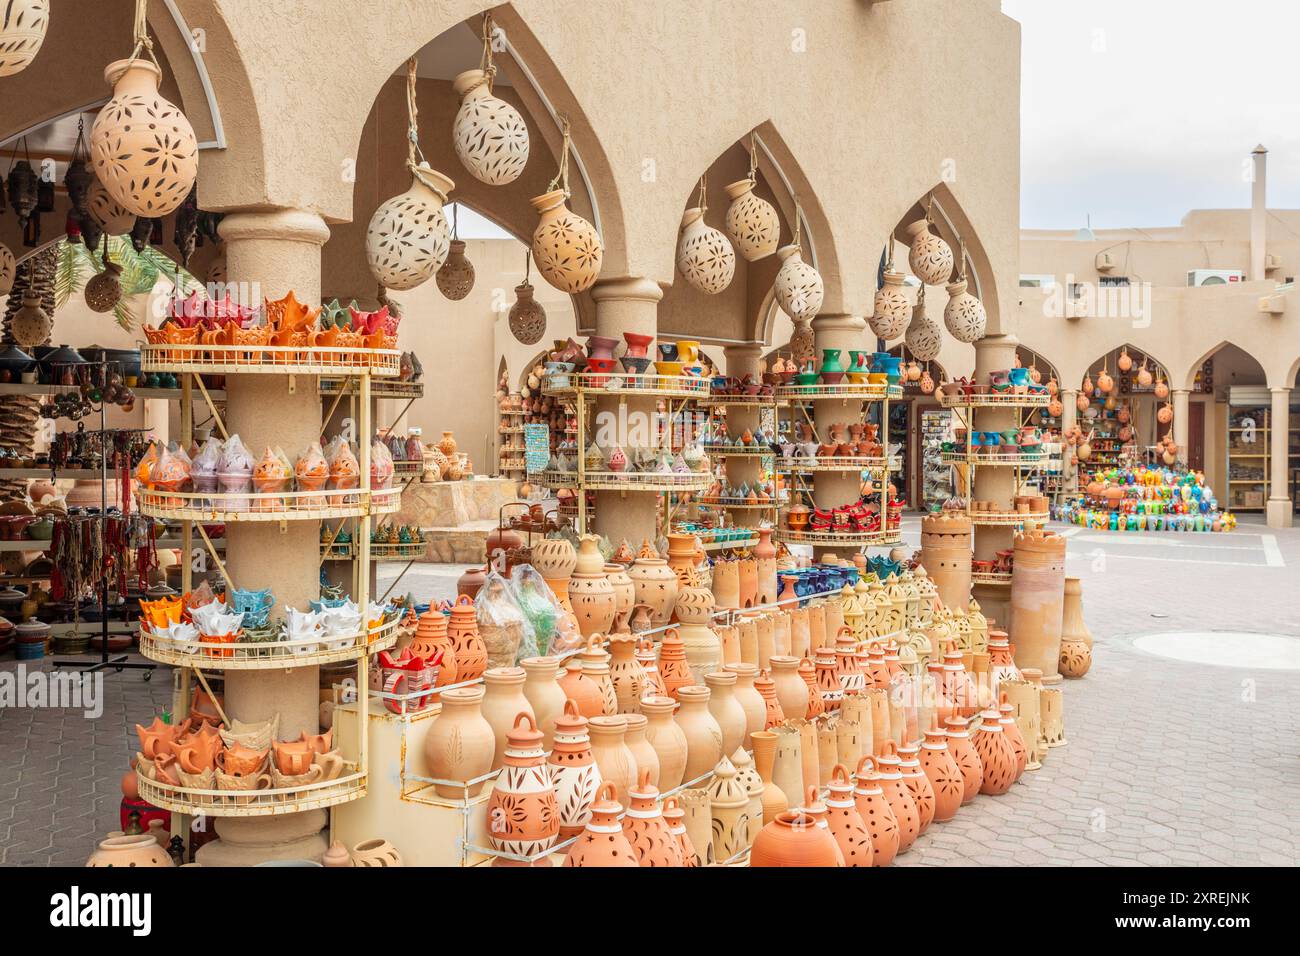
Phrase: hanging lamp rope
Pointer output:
(415, 161)
(753, 158)
(561, 179)
(703, 201)
(140, 28)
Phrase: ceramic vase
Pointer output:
(139, 850)
(613, 757)
(675, 817)
(997, 756)
(626, 673)
(455, 277)
(408, 238)
(503, 701)
(726, 710)
(674, 670)
(624, 595)
(582, 689)
(798, 287)
(794, 839)
(527, 316)
(654, 584)
(967, 758)
(490, 136)
(964, 314)
(590, 593)
(790, 689)
(890, 776)
(774, 799)
(142, 147)
(929, 257)
(643, 752)
(667, 739)
(751, 222)
(748, 776)
(946, 780)
(750, 700)
(573, 771)
(699, 641)
(567, 249)
(845, 822)
(543, 692)
(23, 25)
(892, 309)
(649, 834)
(523, 815)
(876, 813)
(460, 744)
(726, 584)
(705, 258)
(923, 338)
(918, 784)
(701, 729)
(462, 629)
(602, 843)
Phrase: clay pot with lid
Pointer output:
(773, 715)
(646, 830)
(462, 628)
(613, 756)
(674, 670)
(523, 817)
(845, 822)
(997, 756)
(603, 843)
(876, 812)
(667, 739)
(701, 729)
(815, 808)
(654, 583)
(794, 839)
(503, 701)
(573, 771)
(460, 744)
(966, 756)
(625, 672)
(939, 767)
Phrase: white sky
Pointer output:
(1137, 111)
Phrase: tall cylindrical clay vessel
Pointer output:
(946, 554)
(1038, 601)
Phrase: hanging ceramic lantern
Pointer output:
(114, 218)
(1052, 386)
(802, 342)
(913, 372)
(1144, 376)
(930, 257)
(1082, 402)
(1161, 389)
(964, 314)
(527, 317)
(1125, 361)
(1055, 408)
(456, 276)
(104, 291)
(1166, 414)
(490, 136)
(1087, 385)
(892, 311)
(752, 222)
(798, 286)
(1105, 382)
(22, 31)
(566, 248)
(1035, 375)
(8, 269)
(31, 324)
(1111, 403)
(408, 237)
(927, 383)
(923, 337)
(23, 190)
(142, 146)
(704, 255)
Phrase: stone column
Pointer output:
(1069, 418)
(1279, 471)
(743, 360)
(994, 483)
(625, 305)
(273, 252)
(833, 489)
(1182, 399)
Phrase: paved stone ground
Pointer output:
(1168, 762)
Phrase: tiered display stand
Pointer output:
(743, 514)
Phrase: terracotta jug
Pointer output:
(573, 771)
(773, 715)
(703, 735)
(626, 673)
(967, 758)
(845, 821)
(918, 784)
(590, 593)
(503, 700)
(544, 694)
(460, 744)
(726, 710)
(434, 645)
(750, 700)
(523, 816)
(791, 692)
(816, 809)
(667, 739)
(683, 557)
(794, 839)
(566, 248)
(602, 843)
(808, 674)
(997, 756)
(624, 596)
(774, 800)
(642, 751)
(675, 817)
(673, 668)
(649, 661)
(890, 775)
(654, 583)
(646, 829)
(941, 770)
(462, 628)
(1007, 718)
(876, 813)
(613, 756)
(748, 776)
(594, 663)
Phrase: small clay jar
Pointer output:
(794, 839)
(647, 831)
(609, 747)
(460, 744)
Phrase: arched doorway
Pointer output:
(1236, 427)
(1128, 393)
(920, 424)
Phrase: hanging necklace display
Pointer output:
(490, 136)
(527, 317)
(568, 249)
(456, 276)
(751, 222)
(704, 255)
(964, 314)
(407, 240)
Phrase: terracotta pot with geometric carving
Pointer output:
(522, 815)
(997, 756)
(798, 287)
(941, 770)
(602, 843)
(567, 249)
(646, 829)
(890, 774)
(23, 24)
(752, 222)
(573, 771)
(705, 258)
(846, 822)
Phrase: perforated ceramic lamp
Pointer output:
(23, 24)
(704, 254)
(752, 222)
(798, 287)
(567, 249)
(408, 238)
(490, 136)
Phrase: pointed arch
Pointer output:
(1189, 377)
(1031, 358)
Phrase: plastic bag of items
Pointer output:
(502, 626)
(555, 629)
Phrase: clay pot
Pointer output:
(918, 784)
(773, 716)
(626, 673)
(997, 756)
(798, 287)
(675, 817)
(747, 695)
(376, 853)
(590, 593)
(946, 780)
(892, 311)
(1038, 600)
(673, 668)
(751, 222)
(336, 857)
(434, 645)
(729, 811)
(700, 643)
(890, 775)
(845, 822)
(1007, 719)
(609, 748)
(460, 745)
(554, 558)
(876, 812)
(930, 258)
(462, 629)
(523, 816)
(645, 828)
(139, 850)
(667, 739)
(566, 248)
(725, 584)
(966, 757)
(705, 258)
(775, 801)
(964, 314)
(642, 751)
(624, 596)
(1075, 660)
(645, 656)
(789, 687)
(142, 147)
(22, 31)
(603, 843)
(490, 136)
(726, 709)
(573, 771)
(455, 277)
(794, 839)
(589, 683)
(503, 701)
(543, 692)
(654, 584)
(701, 730)
(748, 776)
(408, 238)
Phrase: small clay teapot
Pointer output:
(241, 761)
(293, 758)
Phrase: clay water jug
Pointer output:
(794, 839)
(673, 668)
(774, 800)
(654, 583)
(667, 739)
(967, 758)
(460, 744)
(503, 700)
(649, 661)
(890, 774)
(522, 814)
(791, 691)
(726, 710)
(642, 751)
(433, 643)
(646, 829)
(590, 593)
(581, 689)
(845, 822)
(602, 843)
(699, 641)
(750, 700)
(625, 672)
(729, 811)
(613, 756)
(773, 715)
(573, 771)
(462, 628)
(997, 756)
(544, 694)
(675, 817)
(703, 735)
(624, 596)
(918, 784)
(816, 809)
(1007, 718)
(941, 770)
(808, 674)
(876, 813)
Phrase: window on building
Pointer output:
(1113, 280)
(1037, 281)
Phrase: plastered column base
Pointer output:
(247, 841)
(1279, 513)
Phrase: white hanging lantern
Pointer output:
(892, 310)
(23, 24)
(802, 342)
(798, 286)
(142, 147)
(8, 269)
(490, 136)
(567, 249)
(112, 216)
(964, 314)
(923, 337)
(408, 238)
(752, 222)
(704, 255)
(930, 257)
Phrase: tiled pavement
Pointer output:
(1167, 762)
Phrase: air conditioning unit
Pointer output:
(1105, 262)
(1272, 263)
(1202, 277)
(1272, 304)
